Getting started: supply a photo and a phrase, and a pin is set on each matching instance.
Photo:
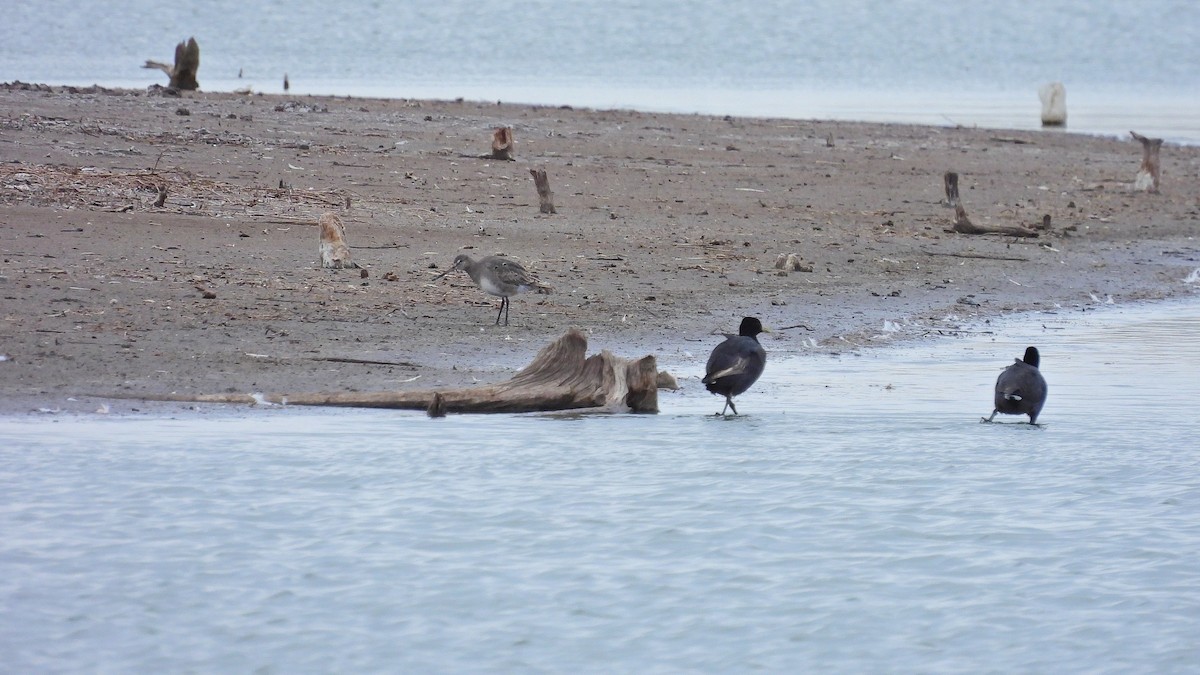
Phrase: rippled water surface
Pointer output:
(856, 518)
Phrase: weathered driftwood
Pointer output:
(545, 196)
(951, 181)
(1054, 104)
(183, 72)
(1147, 175)
(503, 143)
(560, 377)
(963, 225)
(335, 253)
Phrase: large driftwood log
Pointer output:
(951, 181)
(187, 62)
(1147, 175)
(561, 377)
(545, 196)
(503, 143)
(963, 224)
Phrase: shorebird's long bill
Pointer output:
(443, 274)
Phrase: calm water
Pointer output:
(840, 525)
(1125, 64)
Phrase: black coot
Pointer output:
(1021, 389)
(736, 363)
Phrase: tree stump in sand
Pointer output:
(560, 377)
(335, 252)
(1147, 175)
(963, 225)
(187, 62)
(545, 196)
(503, 144)
(951, 181)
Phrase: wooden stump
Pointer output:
(187, 62)
(335, 252)
(951, 181)
(560, 377)
(545, 196)
(1148, 173)
(503, 144)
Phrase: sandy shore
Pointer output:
(668, 228)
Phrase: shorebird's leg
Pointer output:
(507, 304)
(501, 310)
(731, 405)
(986, 420)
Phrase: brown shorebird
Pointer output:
(1021, 389)
(498, 276)
(736, 363)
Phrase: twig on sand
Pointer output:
(976, 255)
(367, 362)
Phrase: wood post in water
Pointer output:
(1054, 104)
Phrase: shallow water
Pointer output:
(839, 525)
(1125, 64)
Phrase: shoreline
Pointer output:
(1094, 112)
(667, 230)
(86, 406)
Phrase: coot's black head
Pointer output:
(751, 327)
(1031, 356)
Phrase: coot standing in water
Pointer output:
(1021, 389)
(736, 363)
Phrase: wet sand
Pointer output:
(667, 230)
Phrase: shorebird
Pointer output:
(1021, 389)
(498, 276)
(736, 363)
